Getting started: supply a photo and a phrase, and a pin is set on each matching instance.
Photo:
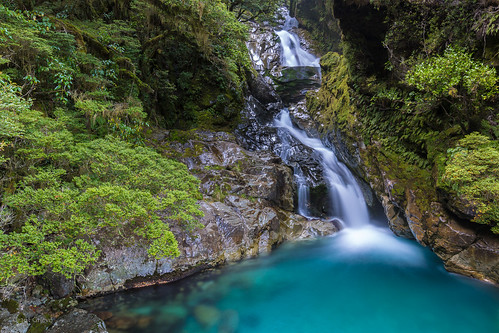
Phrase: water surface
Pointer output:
(360, 280)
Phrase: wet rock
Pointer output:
(414, 218)
(122, 322)
(178, 312)
(78, 321)
(255, 132)
(396, 220)
(264, 47)
(59, 285)
(229, 322)
(262, 90)
(480, 260)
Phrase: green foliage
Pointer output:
(173, 57)
(71, 196)
(457, 84)
(472, 171)
(202, 57)
(12, 107)
(249, 10)
(116, 190)
(454, 74)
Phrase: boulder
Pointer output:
(78, 321)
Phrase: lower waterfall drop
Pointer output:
(345, 194)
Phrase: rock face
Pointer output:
(12, 323)
(78, 321)
(248, 210)
(417, 213)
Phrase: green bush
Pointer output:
(67, 195)
(458, 80)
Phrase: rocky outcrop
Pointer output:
(78, 321)
(413, 210)
(247, 206)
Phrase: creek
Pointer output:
(362, 279)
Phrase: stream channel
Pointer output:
(362, 279)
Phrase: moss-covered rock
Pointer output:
(397, 138)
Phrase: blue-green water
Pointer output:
(363, 280)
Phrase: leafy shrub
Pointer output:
(67, 195)
(457, 79)
(117, 191)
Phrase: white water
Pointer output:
(303, 192)
(345, 194)
(292, 54)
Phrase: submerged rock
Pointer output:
(206, 315)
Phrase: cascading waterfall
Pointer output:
(292, 53)
(345, 194)
(303, 192)
(346, 197)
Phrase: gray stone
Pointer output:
(59, 285)
(13, 323)
(78, 321)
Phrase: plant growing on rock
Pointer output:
(71, 195)
(471, 173)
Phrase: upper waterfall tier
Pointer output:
(292, 53)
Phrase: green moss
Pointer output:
(331, 106)
(471, 173)
(38, 327)
(21, 318)
(63, 304)
(195, 151)
(11, 305)
(220, 192)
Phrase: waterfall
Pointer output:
(303, 192)
(292, 54)
(345, 194)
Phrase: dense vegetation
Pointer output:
(80, 84)
(417, 81)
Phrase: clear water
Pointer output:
(360, 280)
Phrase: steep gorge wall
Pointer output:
(373, 140)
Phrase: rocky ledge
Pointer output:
(247, 206)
